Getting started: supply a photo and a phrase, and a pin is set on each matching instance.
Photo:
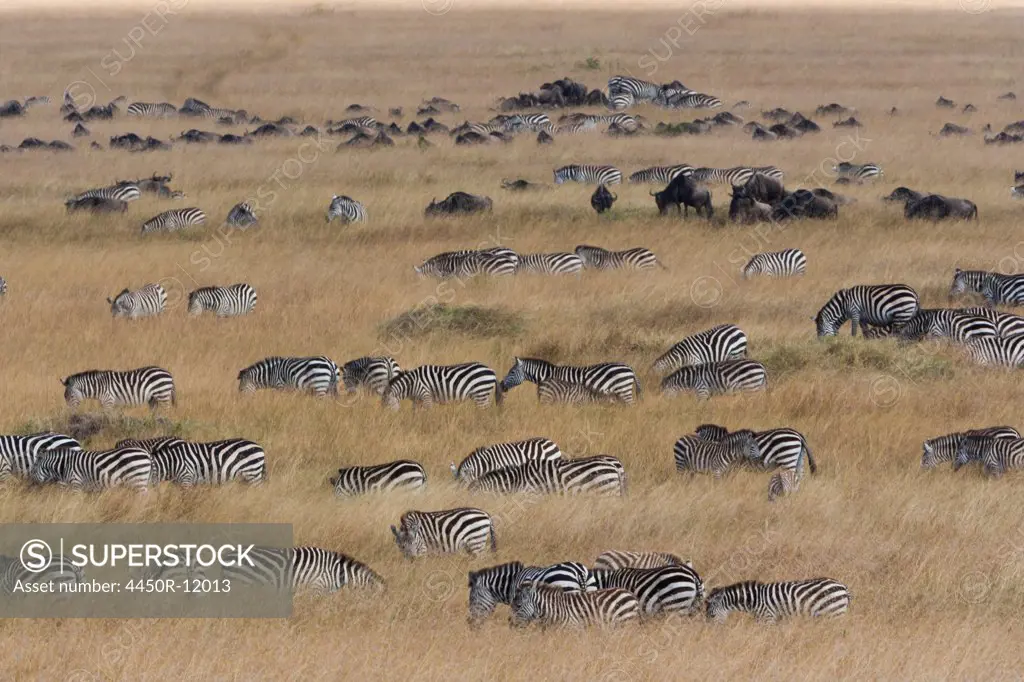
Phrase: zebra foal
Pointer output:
(935, 451)
(230, 301)
(718, 344)
(996, 454)
(490, 458)
(696, 455)
(495, 585)
(785, 263)
(550, 606)
(716, 378)
(148, 301)
(174, 220)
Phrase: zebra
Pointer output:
(1007, 324)
(660, 175)
(935, 451)
(640, 89)
(996, 454)
(495, 585)
(637, 258)
(143, 386)
(602, 475)
(612, 379)
(991, 351)
(621, 101)
(738, 175)
(614, 559)
(785, 263)
(449, 531)
(430, 384)
(724, 342)
(87, 470)
(374, 373)
(242, 216)
(782, 448)
(346, 209)
(318, 375)
(551, 606)
(590, 174)
(553, 391)
(857, 172)
(783, 483)
(465, 264)
(949, 324)
(237, 299)
(1003, 289)
(533, 122)
(148, 301)
(174, 219)
(696, 455)
(322, 571)
(150, 445)
(878, 304)
(59, 571)
(576, 127)
(717, 377)
(17, 453)
(968, 281)
(151, 110)
(502, 455)
(402, 474)
(664, 590)
(687, 100)
(188, 464)
(123, 191)
(550, 263)
(771, 601)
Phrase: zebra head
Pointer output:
(346, 571)
(397, 389)
(409, 537)
(121, 305)
(743, 443)
(928, 458)
(516, 375)
(970, 449)
(831, 316)
(490, 586)
(247, 380)
(721, 601)
(525, 605)
(48, 467)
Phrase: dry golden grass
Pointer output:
(933, 559)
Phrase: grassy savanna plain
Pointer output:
(934, 560)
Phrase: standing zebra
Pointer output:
(346, 209)
(237, 299)
(717, 377)
(374, 373)
(996, 454)
(724, 342)
(880, 305)
(550, 263)
(495, 585)
(601, 475)
(551, 606)
(445, 532)
(944, 448)
(465, 264)
(737, 175)
(696, 455)
(777, 448)
(968, 281)
(947, 324)
(1003, 289)
(124, 191)
(402, 474)
(17, 453)
(991, 351)
(660, 175)
(612, 379)
(146, 302)
(318, 375)
(93, 471)
(640, 90)
(785, 263)
(637, 258)
(772, 601)
(144, 386)
(857, 172)
(188, 464)
(150, 445)
(668, 589)
(151, 110)
(502, 455)
(614, 559)
(322, 571)
(174, 219)
(590, 174)
(242, 216)
(430, 384)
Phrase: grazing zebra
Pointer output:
(430, 384)
(1007, 324)
(558, 392)
(947, 324)
(17, 453)
(318, 375)
(490, 458)
(151, 110)
(602, 475)
(612, 379)
(495, 585)
(968, 281)
(214, 463)
(242, 216)
(93, 471)
(724, 342)
(660, 175)
(783, 483)
(772, 601)
(637, 258)
(590, 174)
(696, 455)
(146, 302)
(551, 606)
(59, 570)
(445, 532)
(991, 351)
(465, 264)
(996, 454)
(737, 176)
(550, 263)
(664, 590)
(778, 448)
(944, 448)
(614, 559)
(144, 386)
(785, 263)
(880, 304)
(857, 172)
(374, 373)
(174, 219)
(640, 89)
(717, 377)
(125, 191)
(402, 474)
(322, 571)
(346, 209)
(237, 299)
(1003, 289)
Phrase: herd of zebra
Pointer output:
(151, 299)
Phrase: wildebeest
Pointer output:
(765, 189)
(519, 185)
(458, 202)
(944, 103)
(543, 137)
(951, 129)
(1017, 192)
(745, 209)
(96, 205)
(938, 207)
(684, 192)
(602, 199)
(903, 194)
(804, 204)
(851, 122)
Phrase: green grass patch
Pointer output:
(477, 322)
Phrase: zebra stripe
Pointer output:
(126, 191)
(150, 445)
(591, 174)
(495, 585)
(612, 379)
(696, 455)
(237, 299)
(637, 258)
(1003, 289)
(996, 454)
(550, 263)
(782, 448)
(17, 453)
(783, 483)
(465, 264)
(490, 458)
(772, 601)
(639, 89)
(879, 304)
(660, 175)
(990, 351)
(602, 475)
(87, 470)
(621, 101)
(853, 171)
(558, 392)
(174, 219)
(738, 175)
(318, 375)
(676, 99)
(430, 384)
(144, 386)
(145, 302)
(151, 110)
(717, 377)
(724, 342)
(1007, 324)
(189, 464)
(532, 122)
(935, 451)
(614, 559)
(242, 216)
(584, 125)
(444, 532)
(669, 589)
(373, 373)
(785, 263)
(322, 571)
(551, 606)
(968, 281)
(402, 474)
(947, 324)
(59, 570)
(346, 209)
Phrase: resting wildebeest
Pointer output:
(745, 209)
(602, 199)
(765, 189)
(938, 207)
(903, 194)
(684, 192)
(458, 202)
(804, 204)
(519, 185)
(96, 205)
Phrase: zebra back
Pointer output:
(401, 474)
(716, 378)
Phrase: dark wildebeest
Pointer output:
(458, 202)
(765, 189)
(1018, 177)
(602, 199)
(903, 194)
(804, 204)
(518, 185)
(938, 207)
(745, 209)
(684, 192)
(952, 129)
(96, 205)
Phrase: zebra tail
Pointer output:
(639, 390)
(494, 539)
(810, 459)
(174, 397)
(499, 394)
